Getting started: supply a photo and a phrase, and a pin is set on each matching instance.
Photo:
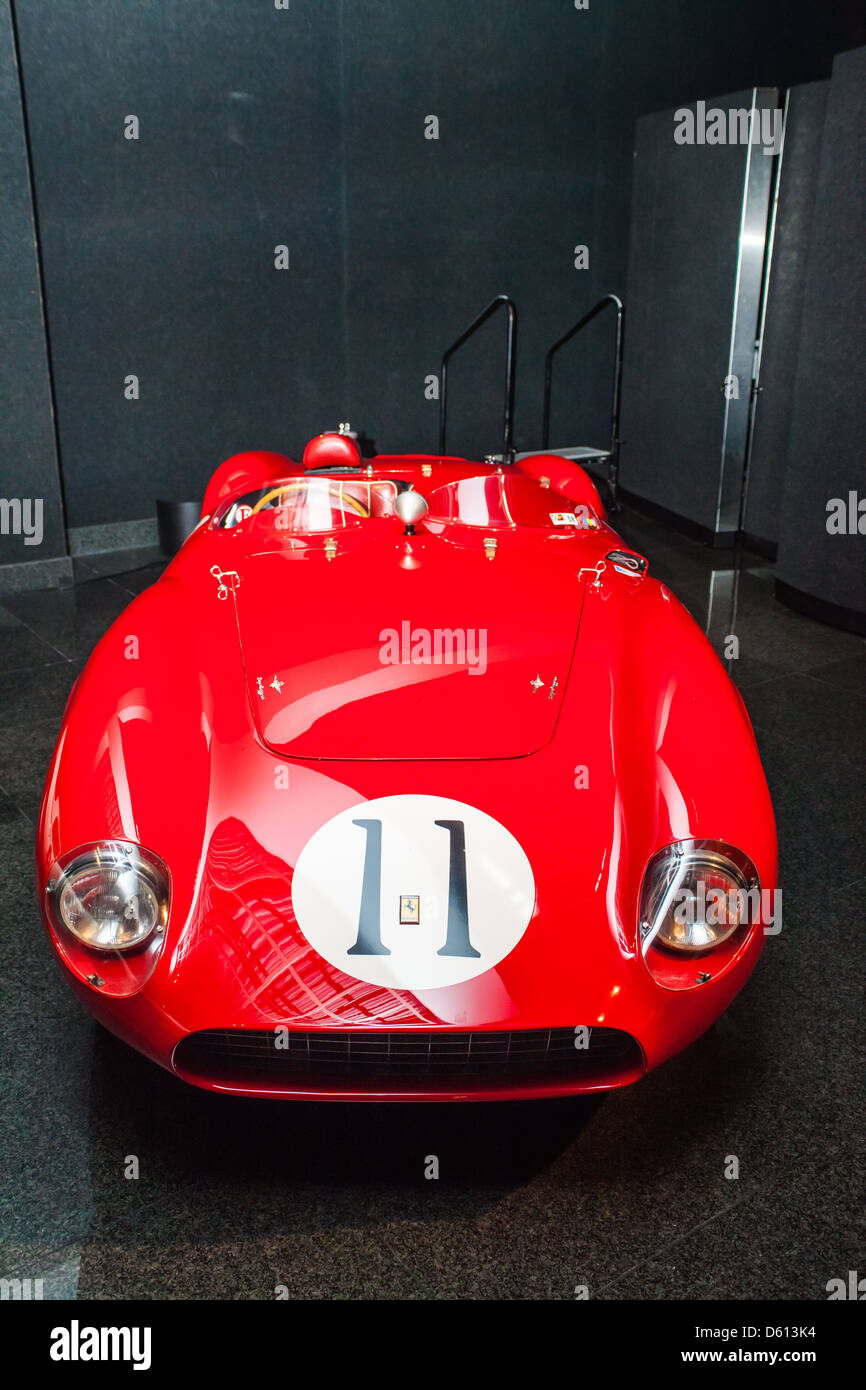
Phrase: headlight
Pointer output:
(698, 902)
(112, 898)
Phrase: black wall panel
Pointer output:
(682, 277)
(306, 127)
(159, 253)
(526, 166)
(537, 104)
(826, 456)
(804, 128)
(28, 457)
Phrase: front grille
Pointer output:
(435, 1059)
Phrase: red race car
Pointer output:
(406, 781)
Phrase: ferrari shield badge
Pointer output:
(410, 909)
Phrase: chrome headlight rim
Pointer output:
(665, 872)
(106, 858)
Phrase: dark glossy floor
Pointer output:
(626, 1195)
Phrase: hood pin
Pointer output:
(226, 579)
(598, 570)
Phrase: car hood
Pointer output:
(407, 649)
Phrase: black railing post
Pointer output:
(510, 354)
(613, 456)
(613, 461)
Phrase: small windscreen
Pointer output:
(305, 505)
(496, 501)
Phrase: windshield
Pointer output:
(304, 505)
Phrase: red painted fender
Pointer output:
(566, 477)
(244, 472)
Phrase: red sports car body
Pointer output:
(367, 800)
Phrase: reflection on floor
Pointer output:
(626, 1195)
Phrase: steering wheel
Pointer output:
(334, 491)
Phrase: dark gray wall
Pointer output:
(159, 253)
(305, 126)
(527, 166)
(682, 289)
(825, 446)
(537, 104)
(28, 457)
(804, 128)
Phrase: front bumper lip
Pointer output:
(409, 1064)
(414, 1094)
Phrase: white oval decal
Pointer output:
(413, 892)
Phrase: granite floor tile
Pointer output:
(21, 648)
(111, 563)
(627, 1194)
(72, 620)
(137, 580)
(35, 693)
(9, 809)
(25, 752)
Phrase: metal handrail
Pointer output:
(613, 456)
(510, 351)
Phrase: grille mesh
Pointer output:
(540, 1053)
